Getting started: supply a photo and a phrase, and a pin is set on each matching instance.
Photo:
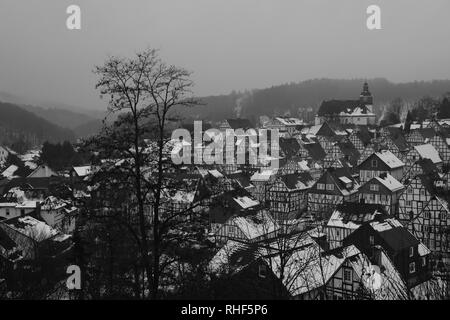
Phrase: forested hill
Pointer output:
(288, 98)
(24, 129)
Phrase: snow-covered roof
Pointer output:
(390, 283)
(183, 196)
(345, 180)
(246, 202)
(427, 151)
(256, 226)
(83, 170)
(312, 130)
(9, 172)
(423, 250)
(389, 159)
(307, 268)
(386, 225)
(390, 182)
(53, 203)
(304, 165)
(32, 228)
(263, 175)
(336, 220)
(215, 173)
(290, 121)
(357, 112)
(30, 164)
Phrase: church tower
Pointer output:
(366, 97)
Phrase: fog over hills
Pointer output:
(281, 99)
(288, 98)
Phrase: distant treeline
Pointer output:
(288, 98)
(21, 129)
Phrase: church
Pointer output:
(356, 112)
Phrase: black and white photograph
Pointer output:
(209, 151)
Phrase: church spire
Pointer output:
(366, 96)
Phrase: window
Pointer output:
(412, 267)
(408, 203)
(232, 231)
(372, 240)
(374, 163)
(7, 212)
(374, 187)
(424, 261)
(410, 191)
(320, 186)
(422, 192)
(262, 271)
(330, 186)
(347, 275)
(411, 251)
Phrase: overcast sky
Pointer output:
(228, 44)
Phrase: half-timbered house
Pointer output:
(335, 186)
(424, 210)
(378, 163)
(288, 196)
(384, 190)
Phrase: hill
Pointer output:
(288, 98)
(24, 129)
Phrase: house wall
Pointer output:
(8, 212)
(426, 218)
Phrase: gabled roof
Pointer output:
(427, 151)
(427, 133)
(349, 151)
(364, 134)
(297, 181)
(352, 215)
(389, 182)
(240, 123)
(290, 121)
(396, 236)
(256, 225)
(335, 107)
(428, 167)
(83, 170)
(289, 146)
(263, 175)
(397, 137)
(315, 151)
(337, 175)
(389, 159)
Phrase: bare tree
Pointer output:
(145, 92)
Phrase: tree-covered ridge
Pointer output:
(288, 98)
(24, 129)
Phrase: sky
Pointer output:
(227, 44)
